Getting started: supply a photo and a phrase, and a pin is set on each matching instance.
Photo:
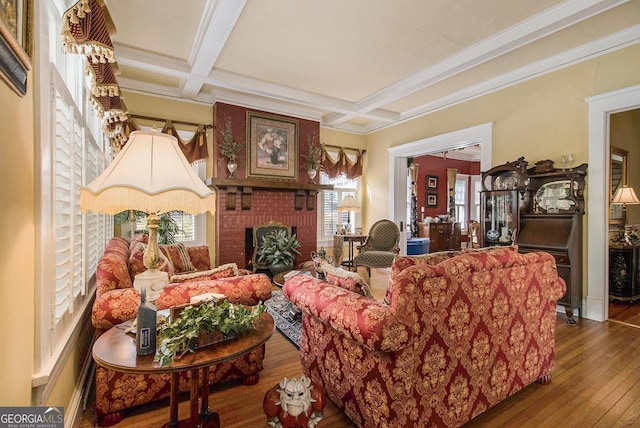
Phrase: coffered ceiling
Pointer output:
(356, 65)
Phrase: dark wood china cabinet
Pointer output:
(542, 210)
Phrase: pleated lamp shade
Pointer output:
(149, 174)
(625, 195)
(348, 204)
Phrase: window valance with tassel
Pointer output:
(194, 150)
(86, 30)
(342, 165)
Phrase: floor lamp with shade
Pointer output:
(149, 174)
(625, 195)
(349, 205)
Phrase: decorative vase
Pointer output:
(312, 174)
(280, 267)
(232, 165)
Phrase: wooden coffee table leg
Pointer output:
(208, 418)
(204, 393)
(173, 406)
(194, 396)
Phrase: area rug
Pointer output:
(286, 315)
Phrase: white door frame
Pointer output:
(600, 109)
(480, 134)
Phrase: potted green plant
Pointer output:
(167, 227)
(278, 250)
(183, 334)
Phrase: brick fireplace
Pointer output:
(245, 201)
(266, 205)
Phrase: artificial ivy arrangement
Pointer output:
(180, 335)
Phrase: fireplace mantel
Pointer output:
(301, 191)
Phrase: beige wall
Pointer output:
(542, 118)
(17, 255)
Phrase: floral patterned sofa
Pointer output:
(457, 333)
(189, 269)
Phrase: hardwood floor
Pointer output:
(596, 383)
(625, 312)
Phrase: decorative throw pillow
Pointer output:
(179, 257)
(223, 271)
(200, 258)
(136, 263)
(348, 280)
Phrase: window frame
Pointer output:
(326, 240)
(61, 77)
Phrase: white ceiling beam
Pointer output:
(543, 24)
(218, 20)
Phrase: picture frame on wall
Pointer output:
(432, 200)
(432, 181)
(15, 43)
(273, 146)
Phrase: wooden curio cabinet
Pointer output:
(624, 273)
(503, 187)
(551, 221)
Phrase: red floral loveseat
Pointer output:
(460, 333)
(117, 301)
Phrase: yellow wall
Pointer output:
(542, 118)
(342, 139)
(17, 254)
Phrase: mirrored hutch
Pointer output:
(540, 209)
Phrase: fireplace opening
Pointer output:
(249, 249)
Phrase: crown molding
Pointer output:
(334, 112)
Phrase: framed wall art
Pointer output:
(273, 146)
(432, 200)
(15, 43)
(432, 181)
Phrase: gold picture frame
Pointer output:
(273, 146)
(15, 43)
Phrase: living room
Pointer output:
(539, 116)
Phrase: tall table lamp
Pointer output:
(349, 205)
(625, 195)
(149, 174)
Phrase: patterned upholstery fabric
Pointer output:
(380, 247)
(117, 301)
(348, 280)
(179, 257)
(224, 271)
(456, 338)
(200, 258)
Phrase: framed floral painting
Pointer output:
(273, 146)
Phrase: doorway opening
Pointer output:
(600, 109)
(478, 135)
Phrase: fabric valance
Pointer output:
(194, 150)
(342, 165)
(87, 30)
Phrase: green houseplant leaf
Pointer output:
(180, 335)
(277, 247)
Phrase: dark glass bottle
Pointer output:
(146, 326)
